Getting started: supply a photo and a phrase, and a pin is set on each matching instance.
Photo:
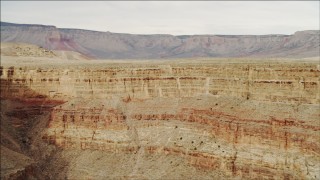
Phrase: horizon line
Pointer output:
(12, 23)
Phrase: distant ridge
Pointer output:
(24, 25)
(105, 45)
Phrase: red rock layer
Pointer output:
(250, 121)
(285, 139)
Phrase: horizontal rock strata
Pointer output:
(253, 121)
(273, 82)
(108, 45)
(233, 136)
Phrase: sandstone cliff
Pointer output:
(274, 81)
(182, 119)
(104, 45)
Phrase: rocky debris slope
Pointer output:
(23, 154)
(103, 45)
(183, 119)
(30, 50)
(24, 50)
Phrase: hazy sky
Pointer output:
(164, 17)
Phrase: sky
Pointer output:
(169, 17)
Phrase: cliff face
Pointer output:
(203, 119)
(274, 82)
(114, 45)
(215, 134)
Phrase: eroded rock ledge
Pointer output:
(290, 82)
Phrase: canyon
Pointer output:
(109, 45)
(192, 118)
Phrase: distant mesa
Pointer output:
(108, 45)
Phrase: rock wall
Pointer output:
(275, 82)
(253, 121)
(217, 134)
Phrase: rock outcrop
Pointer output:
(30, 50)
(197, 119)
(104, 45)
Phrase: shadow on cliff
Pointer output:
(25, 115)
